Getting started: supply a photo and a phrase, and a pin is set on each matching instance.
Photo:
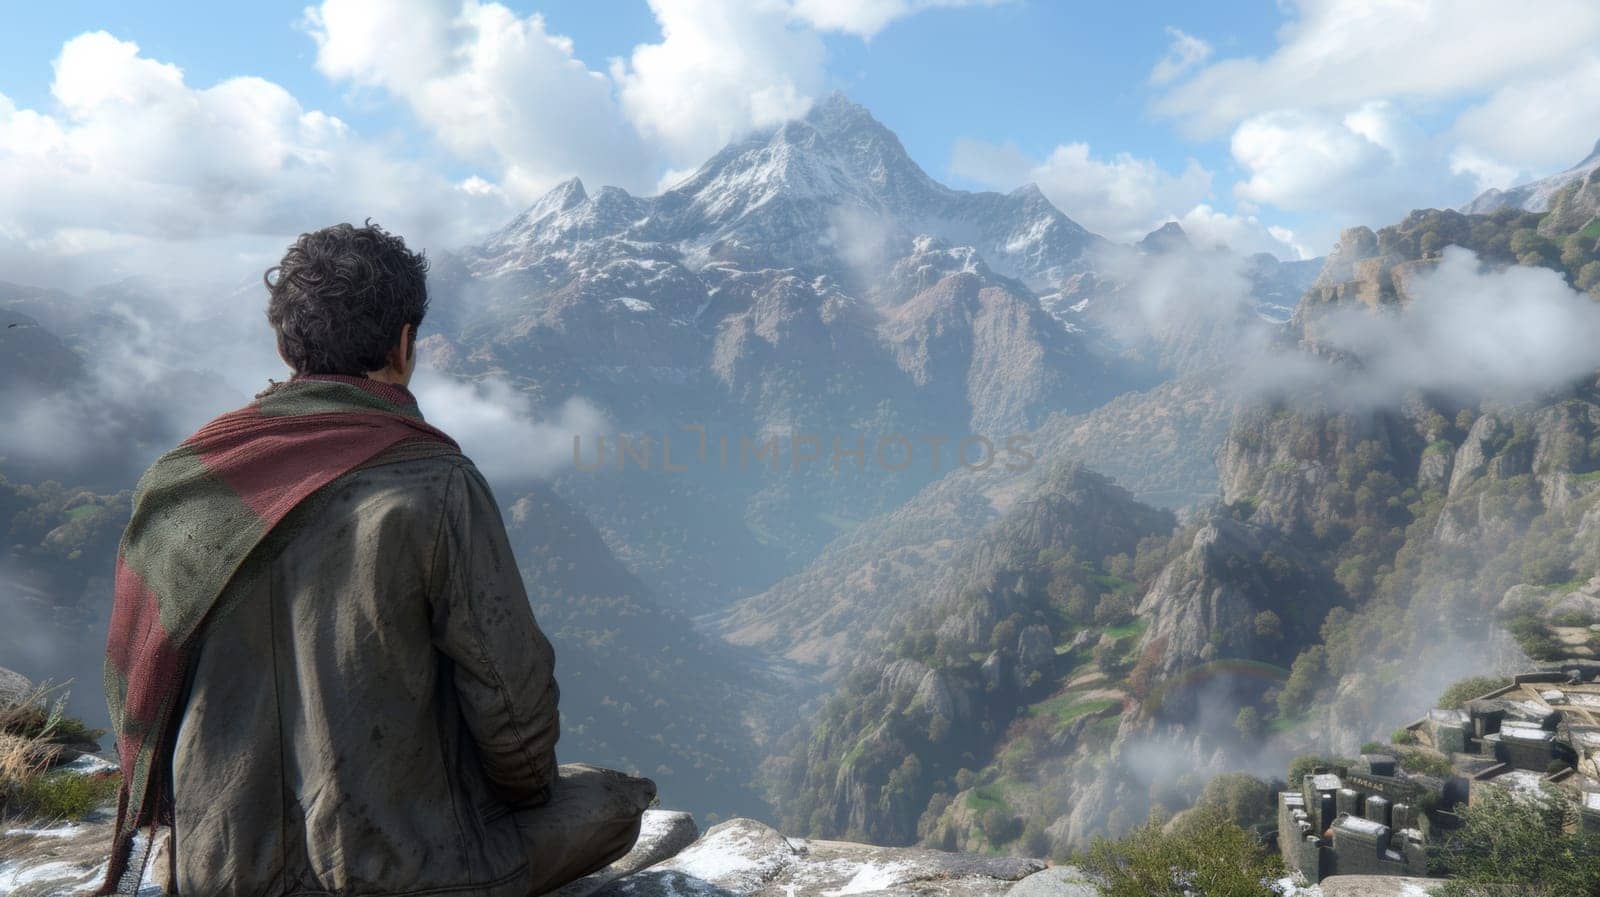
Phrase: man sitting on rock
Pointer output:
(323, 670)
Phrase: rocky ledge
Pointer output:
(738, 858)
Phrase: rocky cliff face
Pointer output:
(1357, 560)
(937, 731)
(1420, 513)
(1241, 592)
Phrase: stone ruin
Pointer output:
(1542, 729)
(1376, 818)
(1373, 819)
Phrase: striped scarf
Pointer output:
(198, 513)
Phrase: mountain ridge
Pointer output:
(836, 168)
(1536, 195)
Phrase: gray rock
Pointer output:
(1379, 886)
(13, 687)
(1472, 458)
(743, 858)
(740, 856)
(1582, 605)
(662, 836)
(64, 860)
(1057, 881)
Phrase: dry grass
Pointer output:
(20, 761)
(32, 733)
(27, 729)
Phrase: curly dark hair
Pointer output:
(341, 296)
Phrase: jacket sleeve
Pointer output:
(504, 667)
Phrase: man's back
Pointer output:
(363, 718)
(322, 668)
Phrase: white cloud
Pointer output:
(497, 427)
(1185, 52)
(504, 90)
(1123, 198)
(1470, 331)
(1484, 171)
(1242, 233)
(1539, 124)
(495, 88)
(136, 159)
(1182, 290)
(1369, 165)
(1341, 53)
(721, 68)
(1529, 70)
(865, 18)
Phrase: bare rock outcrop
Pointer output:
(739, 858)
(14, 687)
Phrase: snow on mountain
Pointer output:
(1534, 196)
(833, 192)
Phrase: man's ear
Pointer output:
(402, 356)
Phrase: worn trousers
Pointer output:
(591, 820)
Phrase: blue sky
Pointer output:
(1274, 125)
(1036, 74)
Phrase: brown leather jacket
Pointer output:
(364, 719)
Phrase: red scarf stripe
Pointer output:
(143, 654)
(133, 614)
(265, 460)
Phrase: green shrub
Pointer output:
(1301, 766)
(1589, 276)
(1035, 840)
(1535, 638)
(1207, 855)
(1305, 677)
(61, 795)
(1422, 762)
(1522, 844)
(1000, 825)
(1248, 723)
(1403, 736)
(1459, 693)
(1241, 797)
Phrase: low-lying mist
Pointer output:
(1463, 329)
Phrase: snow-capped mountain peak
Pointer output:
(806, 194)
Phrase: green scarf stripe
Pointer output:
(325, 397)
(189, 532)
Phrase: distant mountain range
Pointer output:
(824, 194)
(808, 279)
